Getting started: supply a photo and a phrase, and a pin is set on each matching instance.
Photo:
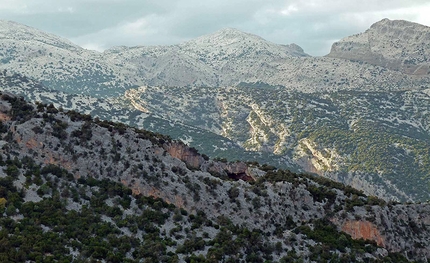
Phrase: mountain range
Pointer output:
(358, 115)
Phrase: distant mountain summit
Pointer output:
(226, 57)
(56, 62)
(394, 44)
(12, 31)
(234, 42)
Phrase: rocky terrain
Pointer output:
(358, 115)
(145, 197)
(56, 62)
(399, 45)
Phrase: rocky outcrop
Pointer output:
(393, 44)
(186, 154)
(234, 170)
(387, 225)
(363, 229)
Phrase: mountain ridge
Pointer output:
(396, 44)
(191, 64)
(9, 30)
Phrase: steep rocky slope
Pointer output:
(398, 45)
(56, 161)
(57, 62)
(318, 133)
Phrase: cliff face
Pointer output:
(388, 225)
(363, 229)
(190, 156)
(186, 154)
(399, 45)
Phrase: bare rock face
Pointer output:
(186, 154)
(394, 44)
(193, 160)
(386, 224)
(363, 229)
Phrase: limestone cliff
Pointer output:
(393, 44)
(190, 156)
(363, 229)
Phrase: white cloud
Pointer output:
(67, 9)
(13, 6)
(289, 10)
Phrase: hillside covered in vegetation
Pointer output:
(74, 188)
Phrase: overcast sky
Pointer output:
(313, 24)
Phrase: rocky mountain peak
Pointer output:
(396, 23)
(232, 41)
(13, 31)
(395, 44)
(227, 36)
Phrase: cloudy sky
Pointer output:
(312, 24)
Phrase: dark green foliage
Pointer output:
(191, 245)
(57, 171)
(12, 170)
(205, 157)
(59, 130)
(84, 230)
(233, 192)
(321, 194)
(325, 232)
(51, 109)
(76, 116)
(267, 168)
(21, 110)
(10, 192)
(84, 133)
(3, 127)
(38, 130)
(373, 200)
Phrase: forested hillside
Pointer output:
(74, 188)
